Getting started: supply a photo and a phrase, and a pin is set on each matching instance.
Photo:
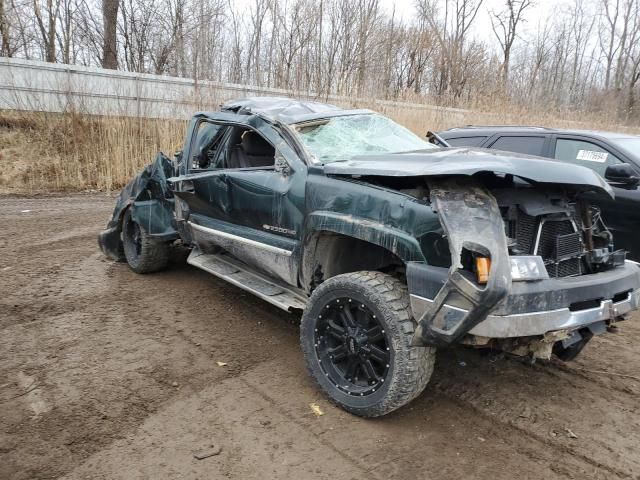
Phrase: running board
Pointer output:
(226, 267)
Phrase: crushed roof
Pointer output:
(287, 110)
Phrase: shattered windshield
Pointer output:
(340, 138)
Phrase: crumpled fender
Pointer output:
(397, 241)
(471, 219)
(151, 203)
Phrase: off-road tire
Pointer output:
(143, 253)
(410, 368)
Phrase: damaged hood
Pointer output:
(470, 161)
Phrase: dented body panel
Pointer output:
(151, 203)
(385, 217)
(469, 162)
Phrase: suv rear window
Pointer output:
(466, 141)
(526, 145)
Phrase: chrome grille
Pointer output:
(523, 230)
(560, 246)
(550, 231)
(568, 246)
(566, 268)
(557, 240)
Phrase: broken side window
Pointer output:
(206, 145)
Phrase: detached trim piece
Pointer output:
(471, 220)
(538, 323)
(243, 240)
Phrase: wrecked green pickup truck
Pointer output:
(389, 246)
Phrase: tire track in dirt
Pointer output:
(433, 415)
(257, 442)
(547, 405)
(266, 429)
(568, 453)
(603, 379)
(105, 348)
(105, 381)
(276, 406)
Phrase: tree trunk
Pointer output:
(5, 47)
(110, 47)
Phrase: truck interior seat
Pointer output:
(253, 151)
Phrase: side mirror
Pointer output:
(622, 175)
(433, 137)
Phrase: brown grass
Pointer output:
(44, 152)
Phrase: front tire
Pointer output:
(356, 338)
(144, 253)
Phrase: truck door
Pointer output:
(248, 199)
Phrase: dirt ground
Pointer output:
(109, 374)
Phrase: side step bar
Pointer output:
(235, 272)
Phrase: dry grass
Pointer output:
(43, 152)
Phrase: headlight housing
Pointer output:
(527, 267)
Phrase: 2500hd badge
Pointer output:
(389, 246)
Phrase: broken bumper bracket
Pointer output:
(471, 221)
(441, 325)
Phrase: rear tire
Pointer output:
(356, 338)
(143, 253)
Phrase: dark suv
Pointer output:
(615, 156)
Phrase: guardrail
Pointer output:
(49, 87)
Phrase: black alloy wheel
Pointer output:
(356, 337)
(351, 347)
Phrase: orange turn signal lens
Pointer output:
(483, 265)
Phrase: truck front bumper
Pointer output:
(536, 308)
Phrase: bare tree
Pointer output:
(505, 27)
(633, 60)
(258, 18)
(624, 46)
(110, 43)
(540, 57)
(607, 35)
(5, 42)
(451, 33)
(46, 16)
(587, 53)
(65, 32)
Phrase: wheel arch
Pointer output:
(336, 244)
